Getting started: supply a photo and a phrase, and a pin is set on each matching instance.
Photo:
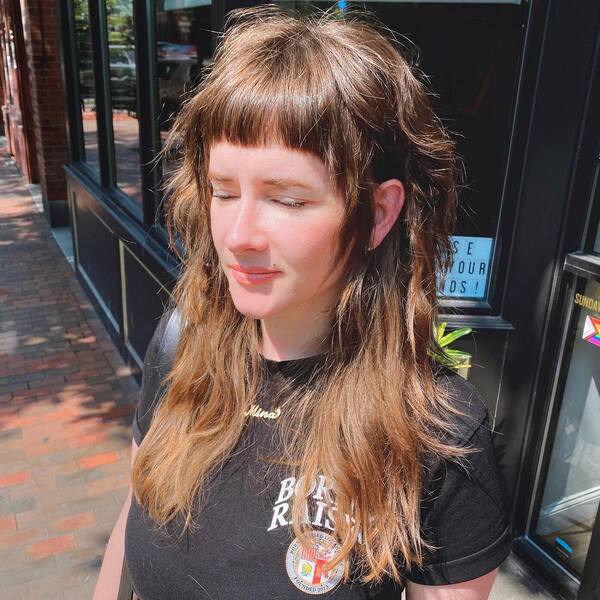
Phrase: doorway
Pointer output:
(570, 490)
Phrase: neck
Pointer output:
(289, 338)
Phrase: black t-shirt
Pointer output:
(244, 546)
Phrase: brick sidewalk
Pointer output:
(66, 400)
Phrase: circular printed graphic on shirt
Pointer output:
(305, 566)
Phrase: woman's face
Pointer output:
(275, 218)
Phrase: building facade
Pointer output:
(519, 85)
(33, 108)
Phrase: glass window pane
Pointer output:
(121, 52)
(572, 488)
(87, 88)
(183, 47)
(470, 52)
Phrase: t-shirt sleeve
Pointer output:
(156, 366)
(464, 512)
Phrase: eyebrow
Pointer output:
(276, 182)
(283, 183)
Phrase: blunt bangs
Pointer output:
(283, 91)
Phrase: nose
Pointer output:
(245, 232)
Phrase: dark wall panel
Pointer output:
(144, 297)
(98, 257)
(487, 348)
(126, 273)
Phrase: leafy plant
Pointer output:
(451, 357)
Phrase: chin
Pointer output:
(253, 310)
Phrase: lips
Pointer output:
(251, 270)
(252, 275)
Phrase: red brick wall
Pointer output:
(42, 41)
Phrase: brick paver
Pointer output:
(66, 400)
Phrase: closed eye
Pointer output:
(289, 203)
(286, 203)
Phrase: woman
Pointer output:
(294, 435)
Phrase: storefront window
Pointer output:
(469, 52)
(121, 52)
(87, 88)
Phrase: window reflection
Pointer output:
(183, 48)
(87, 90)
(121, 51)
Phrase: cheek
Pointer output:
(218, 228)
(312, 247)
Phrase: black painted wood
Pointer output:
(145, 297)
(583, 264)
(554, 202)
(71, 79)
(563, 64)
(147, 82)
(103, 96)
(98, 257)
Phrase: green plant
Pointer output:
(451, 357)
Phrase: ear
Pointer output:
(388, 200)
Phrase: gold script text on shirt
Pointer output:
(257, 411)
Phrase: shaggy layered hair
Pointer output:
(337, 86)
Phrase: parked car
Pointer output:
(123, 77)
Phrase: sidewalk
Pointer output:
(66, 400)
(66, 403)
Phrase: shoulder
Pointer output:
(158, 361)
(472, 413)
(469, 428)
(464, 515)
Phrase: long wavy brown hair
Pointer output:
(338, 86)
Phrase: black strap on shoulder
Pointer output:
(158, 361)
(168, 343)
